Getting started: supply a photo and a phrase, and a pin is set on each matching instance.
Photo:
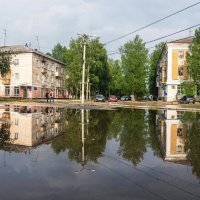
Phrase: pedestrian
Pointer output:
(51, 96)
(47, 96)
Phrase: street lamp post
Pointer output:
(83, 71)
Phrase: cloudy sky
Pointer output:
(60, 20)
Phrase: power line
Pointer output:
(159, 20)
(148, 42)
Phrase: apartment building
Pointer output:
(172, 69)
(171, 134)
(32, 74)
(31, 126)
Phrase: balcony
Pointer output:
(44, 70)
(6, 81)
(57, 74)
(164, 79)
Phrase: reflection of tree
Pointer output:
(4, 134)
(153, 140)
(192, 146)
(132, 136)
(95, 136)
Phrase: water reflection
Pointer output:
(179, 137)
(29, 126)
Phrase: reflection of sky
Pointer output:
(43, 174)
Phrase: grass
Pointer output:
(14, 100)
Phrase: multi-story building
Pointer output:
(171, 133)
(31, 126)
(32, 74)
(172, 69)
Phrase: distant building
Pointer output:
(172, 69)
(32, 74)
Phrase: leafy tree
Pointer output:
(188, 88)
(152, 73)
(5, 61)
(193, 59)
(116, 78)
(134, 58)
(96, 62)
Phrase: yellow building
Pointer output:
(33, 73)
(172, 69)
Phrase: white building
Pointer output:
(32, 74)
(172, 69)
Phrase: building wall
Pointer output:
(168, 87)
(34, 74)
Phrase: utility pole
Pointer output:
(37, 38)
(88, 80)
(5, 35)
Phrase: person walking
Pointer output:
(47, 96)
(51, 96)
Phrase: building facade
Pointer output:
(172, 69)
(32, 75)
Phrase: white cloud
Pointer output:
(60, 20)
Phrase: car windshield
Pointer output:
(99, 96)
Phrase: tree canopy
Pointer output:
(134, 57)
(5, 62)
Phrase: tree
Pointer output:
(96, 62)
(116, 78)
(134, 58)
(193, 59)
(5, 62)
(152, 73)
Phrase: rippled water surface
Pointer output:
(53, 153)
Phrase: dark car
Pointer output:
(112, 98)
(187, 99)
(125, 98)
(99, 97)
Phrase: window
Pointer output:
(16, 76)
(37, 77)
(37, 121)
(180, 132)
(179, 114)
(37, 135)
(16, 135)
(16, 121)
(37, 63)
(179, 148)
(181, 55)
(179, 89)
(16, 62)
(173, 87)
(180, 70)
(7, 91)
(16, 91)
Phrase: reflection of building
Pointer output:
(33, 73)
(30, 126)
(172, 134)
(172, 69)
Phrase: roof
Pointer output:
(25, 49)
(187, 40)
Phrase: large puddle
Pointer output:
(53, 153)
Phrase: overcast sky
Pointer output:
(60, 20)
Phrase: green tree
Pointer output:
(134, 58)
(5, 61)
(193, 59)
(116, 78)
(152, 72)
(59, 52)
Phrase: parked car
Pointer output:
(112, 98)
(125, 98)
(100, 98)
(187, 99)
